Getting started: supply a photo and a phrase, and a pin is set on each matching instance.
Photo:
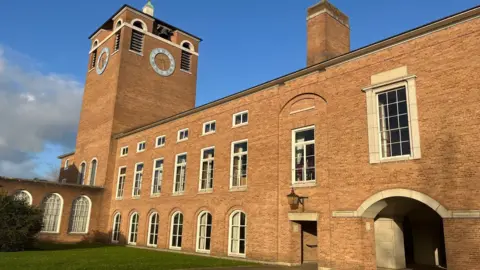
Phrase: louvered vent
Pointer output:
(117, 42)
(186, 61)
(94, 59)
(136, 43)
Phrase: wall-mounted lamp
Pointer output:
(294, 200)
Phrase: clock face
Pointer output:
(102, 61)
(162, 62)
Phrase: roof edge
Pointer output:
(43, 181)
(66, 155)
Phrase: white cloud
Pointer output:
(35, 109)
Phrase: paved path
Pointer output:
(267, 267)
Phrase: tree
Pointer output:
(19, 223)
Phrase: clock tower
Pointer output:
(140, 70)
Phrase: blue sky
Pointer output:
(44, 47)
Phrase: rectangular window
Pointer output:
(206, 169)
(137, 181)
(182, 135)
(180, 173)
(239, 164)
(160, 141)
(393, 123)
(157, 176)
(209, 127)
(141, 146)
(303, 155)
(240, 118)
(122, 172)
(124, 151)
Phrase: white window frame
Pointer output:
(118, 182)
(114, 225)
(243, 123)
(150, 227)
(160, 176)
(144, 146)
(171, 231)
(122, 150)
(199, 228)
(201, 169)
(209, 123)
(164, 141)
(73, 213)
(294, 144)
(90, 172)
(65, 166)
(81, 176)
(59, 218)
(26, 195)
(175, 174)
(232, 156)
(185, 138)
(130, 229)
(140, 182)
(230, 225)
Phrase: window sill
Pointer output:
(119, 198)
(140, 151)
(123, 155)
(240, 125)
(175, 248)
(235, 189)
(159, 146)
(152, 246)
(178, 193)
(90, 70)
(205, 191)
(115, 52)
(155, 195)
(77, 233)
(132, 244)
(236, 255)
(209, 133)
(186, 71)
(50, 232)
(203, 251)
(136, 197)
(141, 54)
(397, 158)
(179, 141)
(304, 184)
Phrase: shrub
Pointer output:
(19, 223)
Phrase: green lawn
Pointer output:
(69, 257)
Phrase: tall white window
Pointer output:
(137, 180)
(23, 195)
(237, 234)
(117, 221)
(160, 141)
(124, 151)
(180, 173)
(122, 174)
(240, 119)
(176, 231)
(239, 164)
(153, 229)
(206, 169)
(81, 173)
(204, 232)
(157, 176)
(93, 171)
(182, 135)
(52, 207)
(141, 146)
(133, 230)
(209, 127)
(303, 157)
(80, 215)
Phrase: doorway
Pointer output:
(309, 241)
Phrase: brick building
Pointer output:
(382, 141)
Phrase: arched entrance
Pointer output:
(408, 230)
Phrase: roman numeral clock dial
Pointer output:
(162, 62)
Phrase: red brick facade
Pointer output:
(121, 105)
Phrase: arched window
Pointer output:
(23, 195)
(237, 234)
(52, 207)
(116, 46)
(80, 215)
(93, 171)
(185, 63)
(81, 173)
(176, 233)
(204, 232)
(133, 232)
(93, 59)
(136, 42)
(153, 229)
(117, 220)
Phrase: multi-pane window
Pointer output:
(204, 232)
(240, 118)
(238, 231)
(393, 123)
(80, 215)
(180, 173)
(93, 172)
(182, 135)
(124, 151)
(303, 159)
(157, 176)
(23, 195)
(136, 43)
(177, 230)
(160, 141)
(239, 164)
(141, 146)
(133, 231)
(52, 211)
(206, 167)
(153, 230)
(122, 172)
(209, 127)
(117, 220)
(137, 181)
(81, 173)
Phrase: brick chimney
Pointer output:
(328, 32)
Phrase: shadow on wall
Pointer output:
(102, 237)
(69, 175)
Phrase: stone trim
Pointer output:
(312, 216)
